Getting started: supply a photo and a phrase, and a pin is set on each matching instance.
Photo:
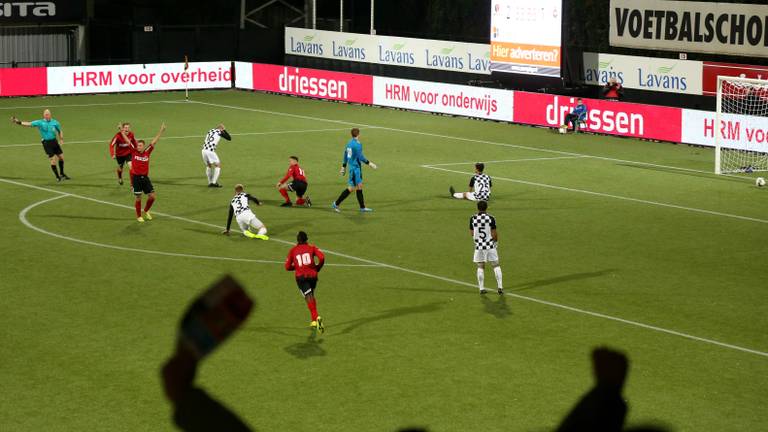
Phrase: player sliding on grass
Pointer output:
(482, 227)
(301, 259)
(479, 186)
(120, 150)
(50, 131)
(239, 208)
(295, 181)
(353, 156)
(210, 158)
(140, 154)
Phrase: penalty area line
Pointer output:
(444, 279)
(607, 195)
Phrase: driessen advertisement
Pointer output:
(312, 83)
(443, 98)
(644, 73)
(389, 50)
(132, 78)
(615, 118)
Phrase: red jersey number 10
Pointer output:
(303, 259)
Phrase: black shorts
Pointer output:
(142, 183)
(306, 285)
(122, 160)
(51, 147)
(299, 187)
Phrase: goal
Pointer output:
(742, 116)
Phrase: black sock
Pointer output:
(61, 167)
(342, 197)
(360, 198)
(55, 171)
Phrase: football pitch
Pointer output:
(603, 241)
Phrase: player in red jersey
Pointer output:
(120, 150)
(294, 181)
(301, 259)
(140, 173)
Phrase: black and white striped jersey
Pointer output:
(481, 225)
(482, 186)
(213, 137)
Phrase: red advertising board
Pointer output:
(712, 70)
(23, 82)
(313, 83)
(607, 117)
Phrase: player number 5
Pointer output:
(481, 232)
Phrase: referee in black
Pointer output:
(52, 138)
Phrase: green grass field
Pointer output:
(602, 241)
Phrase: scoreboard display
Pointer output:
(526, 36)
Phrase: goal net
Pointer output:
(741, 125)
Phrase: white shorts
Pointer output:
(210, 157)
(486, 255)
(247, 219)
(472, 197)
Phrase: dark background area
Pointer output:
(151, 31)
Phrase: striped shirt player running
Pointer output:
(210, 158)
(52, 137)
(479, 186)
(301, 260)
(482, 226)
(239, 208)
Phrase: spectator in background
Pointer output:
(613, 90)
(577, 116)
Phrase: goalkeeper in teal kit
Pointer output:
(353, 157)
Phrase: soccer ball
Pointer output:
(562, 130)
(760, 182)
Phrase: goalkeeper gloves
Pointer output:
(372, 165)
(342, 170)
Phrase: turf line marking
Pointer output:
(92, 104)
(451, 137)
(607, 195)
(25, 220)
(437, 277)
(105, 141)
(505, 161)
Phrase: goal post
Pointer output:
(742, 114)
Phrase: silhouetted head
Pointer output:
(301, 237)
(610, 367)
(479, 167)
(355, 132)
(482, 206)
(293, 160)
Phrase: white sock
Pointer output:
(216, 172)
(480, 278)
(497, 273)
(262, 230)
(459, 195)
(208, 174)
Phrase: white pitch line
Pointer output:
(505, 161)
(607, 195)
(105, 141)
(451, 137)
(445, 279)
(23, 218)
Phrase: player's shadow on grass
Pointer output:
(307, 349)
(499, 308)
(561, 279)
(390, 314)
